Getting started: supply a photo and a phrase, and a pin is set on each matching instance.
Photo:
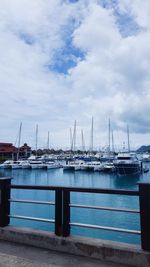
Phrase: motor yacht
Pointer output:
(127, 164)
(6, 164)
(53, 165)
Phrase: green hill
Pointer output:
(144, 149)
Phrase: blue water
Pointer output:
(83, 179)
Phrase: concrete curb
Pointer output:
(108, 251)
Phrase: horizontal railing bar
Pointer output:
(78, 189)
(103, 208)
(34, 187)
(30, 218)
(104, 191)
(31, 201)
(106, 228)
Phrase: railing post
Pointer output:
(144, 197)
(66, 213)
(58, 212)
(4, 201)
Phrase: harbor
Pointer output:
(86, 179)
(75, 133)
(124, 163)
(111, 170)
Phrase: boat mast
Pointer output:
(74, 136)
(91, 137)
(109, 137)
(112, 134)
(19, 139)
(36, 139)
(71, 141)
(48, 141)
(83, 143)
(128, 138)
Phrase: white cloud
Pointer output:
(110, 80)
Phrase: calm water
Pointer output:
(83, 179)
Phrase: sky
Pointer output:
(67, 60)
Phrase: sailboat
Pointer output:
(91, 137)
(35, 161)
(108, 156)
(17, 164)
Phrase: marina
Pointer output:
(87, 179)
(75, 130)
(89, 171)
(124, 163)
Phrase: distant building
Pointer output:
(7, 150)
(25, 151)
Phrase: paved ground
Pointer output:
(15, 255)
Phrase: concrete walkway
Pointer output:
(16, 255)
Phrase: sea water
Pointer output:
(58, 177)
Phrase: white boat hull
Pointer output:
(36, 166)
(15, 167)
(53, 166)
(26, 166)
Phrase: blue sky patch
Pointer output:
(126, 23)
(28, 39)
(67, 58)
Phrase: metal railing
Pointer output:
(67, 206)
(31, 202)
(128, 231)
(57, 204)
(63, 206)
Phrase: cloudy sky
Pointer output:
(67, 60)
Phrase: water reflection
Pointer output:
(126, 182)
(78, 179)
